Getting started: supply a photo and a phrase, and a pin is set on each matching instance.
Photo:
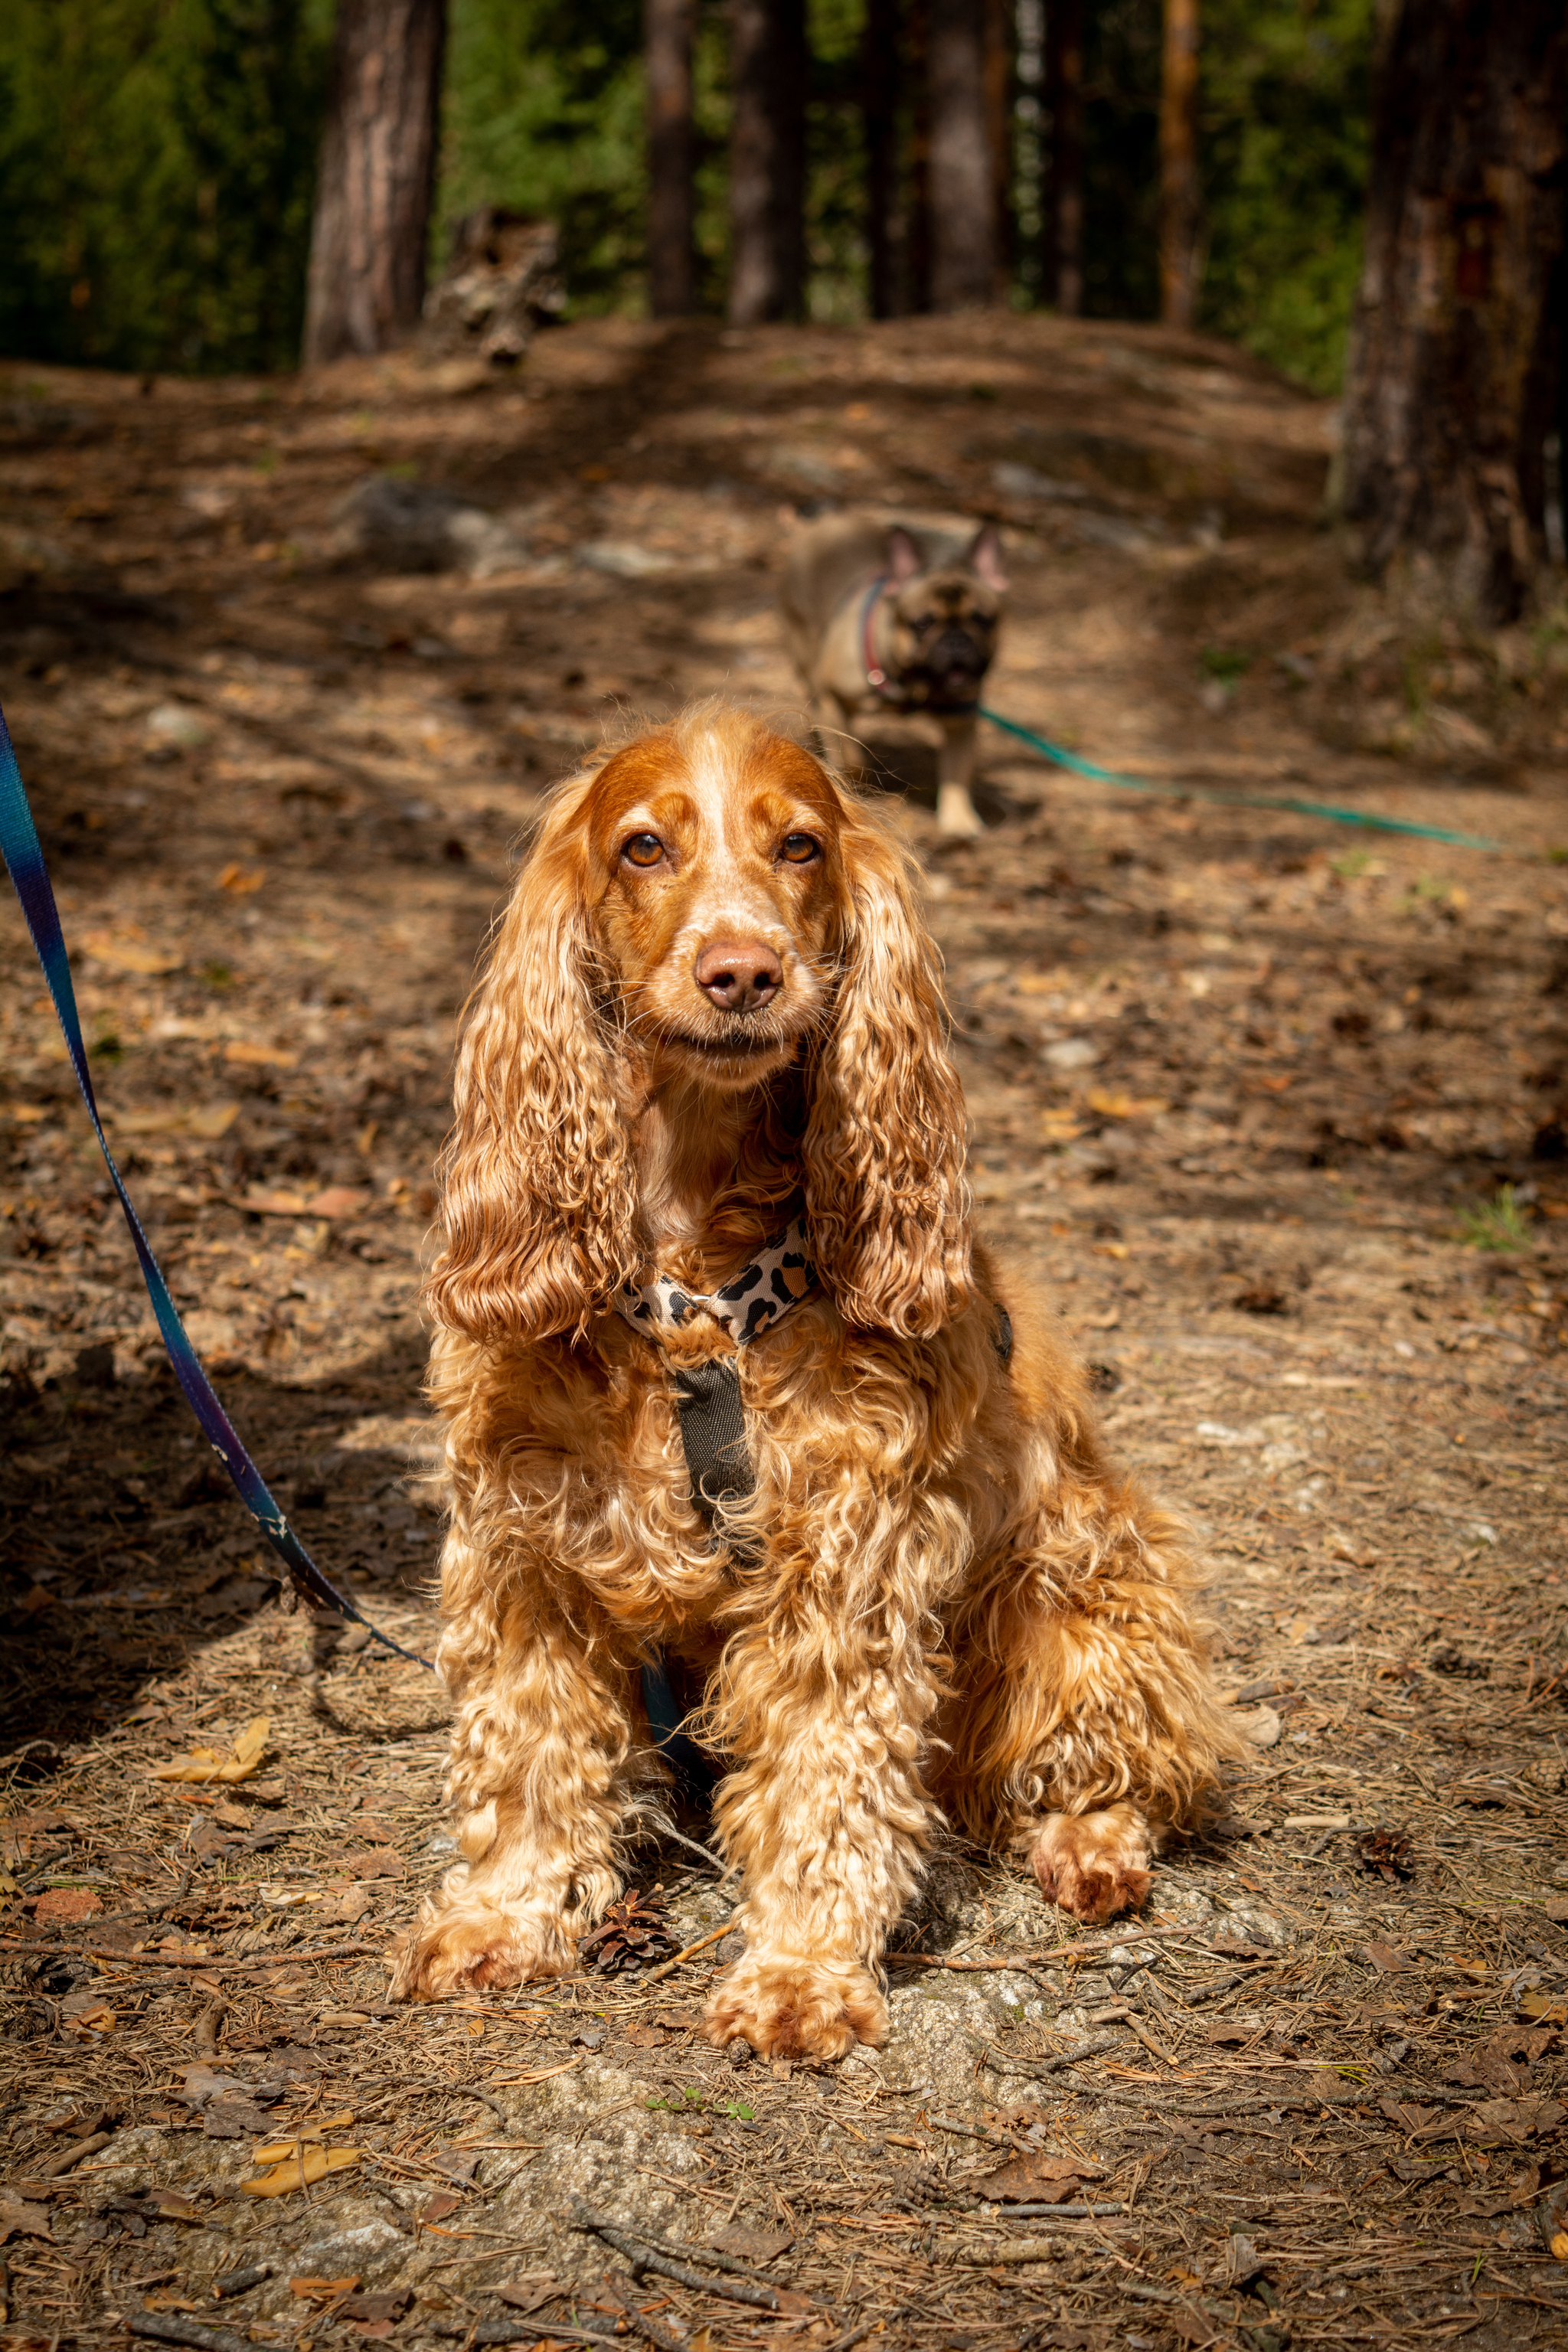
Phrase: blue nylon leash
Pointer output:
(29, 875)
(1066, 759)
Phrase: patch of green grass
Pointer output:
(1227, 663)
(1350, 864)
(105, 1045)
(1495, 1225)
(217, 975)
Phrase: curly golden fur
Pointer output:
(939, 1598)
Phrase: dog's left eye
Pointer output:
(799, 848)
(642, 849)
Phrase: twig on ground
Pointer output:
(165, 2328)
(643, 2257)
(665, 1966)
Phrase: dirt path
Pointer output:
(1247, 1090)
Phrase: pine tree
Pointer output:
(1455, 348)
(376, 177)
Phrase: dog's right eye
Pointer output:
(642, 849)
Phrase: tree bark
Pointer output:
(1179, 195)
(1000, 62)
(669, 27)
(879, 51)
(963, 231)
(375, 178)
(1063, 272)
(767, 160)
(1455, 368)
(920, 236)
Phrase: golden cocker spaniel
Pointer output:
(710, 1143)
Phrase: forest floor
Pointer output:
(1248, 1093)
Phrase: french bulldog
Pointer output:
(885, 622)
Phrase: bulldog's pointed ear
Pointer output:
(904, 557)
(984, 557)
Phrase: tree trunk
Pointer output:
(920, 238)
(1000, 61)
(669, 27)
(963, 232)
(767, 160)
(879, 51)
(1179, 164)
(376, 177)
(1455, 352)
(1063, 273)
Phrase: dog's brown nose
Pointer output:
(739, 974)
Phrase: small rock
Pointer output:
(1072, 1053)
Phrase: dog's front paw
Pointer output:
(467, 1945)
(1094, 1864)
(956, 813)
(791, 2007)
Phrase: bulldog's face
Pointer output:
(945, 621)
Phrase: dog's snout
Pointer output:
(739, 975)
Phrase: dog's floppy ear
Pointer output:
(984, 557)
(538, 1190)
(903, 558)
(887, 1198)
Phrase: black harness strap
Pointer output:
(713, 1425)
(713, 1433)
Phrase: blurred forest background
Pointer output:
(158, 160)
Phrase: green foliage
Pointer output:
(157, 158)
(156, 161)
(1496, 1224)
(1284, 138)
(543, 114)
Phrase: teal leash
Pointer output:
(1063, 757)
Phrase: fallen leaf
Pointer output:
(1533, 2003)
(130, 951)
(443, 2203)
(337, 1200)
(205, 1764)
(171, 2205)
(311, 2164)
(253, 1055)
(529, 2294)
(1519, 2119)
(323, 2290)
(207, 1121)
(1036, 2179)
(1112, 1104)
(382, 2307)
(20, 2220)
(240, 880)
(94, 2021)
(1385, 1958)
(1262, 1726)
(259, 1202)
(370, 1865)
(1242, 2261)
(68, 1903)
(753, 2245)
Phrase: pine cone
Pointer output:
(633, 1929)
